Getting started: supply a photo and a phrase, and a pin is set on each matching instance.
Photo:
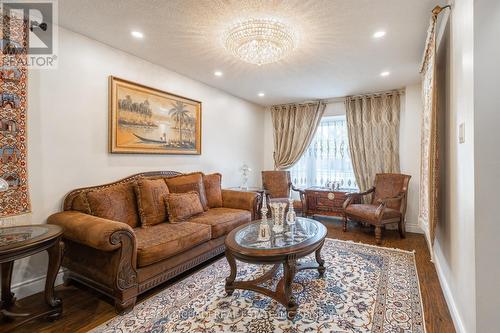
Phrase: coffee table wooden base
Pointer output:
(283, 293)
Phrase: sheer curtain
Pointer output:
(327, 158)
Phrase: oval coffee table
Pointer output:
(296, 241)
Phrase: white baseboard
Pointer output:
(35, 285)
(455, 315)
(410, 227)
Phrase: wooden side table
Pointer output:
(23, 241)
(322, 201)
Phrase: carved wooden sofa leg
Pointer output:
(124, 306)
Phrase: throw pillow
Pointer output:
(115, 203)
(81, 204)
(182, 206)
(186, 183)
(213, 190)
(151, 195)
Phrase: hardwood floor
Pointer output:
(84, 309)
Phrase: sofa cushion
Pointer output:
(213, 190)
(367, 212)
(165, 240)
(151, 194)
(222, 220)
(186, 183)
(115, 203)
(182, 206)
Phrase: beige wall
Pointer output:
(487, 163)
(68, 131)
(454, 244)
(409, 149)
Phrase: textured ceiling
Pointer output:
(336, 55)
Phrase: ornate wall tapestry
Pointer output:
(429, 168)
(147, 120)
(13, 94)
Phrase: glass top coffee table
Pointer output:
(247, 244)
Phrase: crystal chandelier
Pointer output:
(260, 41)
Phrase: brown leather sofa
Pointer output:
(122, 258)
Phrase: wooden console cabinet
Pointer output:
(322, 201)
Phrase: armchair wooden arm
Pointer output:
(360, 194)
(383, 203)
(296, 189)
(302, 195)
(399, 197)
(352, 196)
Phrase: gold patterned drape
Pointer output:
(429, 168)
(373, 130)
(294, 127)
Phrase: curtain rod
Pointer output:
(343, 98)
(379, 94)
(438, 9)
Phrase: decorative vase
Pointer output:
(276, 210)
(291, 215)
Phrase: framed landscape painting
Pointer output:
(150, 121)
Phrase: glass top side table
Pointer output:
(23, 241)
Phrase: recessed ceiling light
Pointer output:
(379, 34)
(137, 34)
(386, 73)
(218, 73)
(261, 94)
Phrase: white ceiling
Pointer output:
(336, 55)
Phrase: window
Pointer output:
(327, 159)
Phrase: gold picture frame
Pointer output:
(145, 120)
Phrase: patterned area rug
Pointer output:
(365, 289)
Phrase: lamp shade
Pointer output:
(4, 186)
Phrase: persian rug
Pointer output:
(13, 96)
(365, 289)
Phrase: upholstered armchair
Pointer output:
(278, 185)
(388, 204)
